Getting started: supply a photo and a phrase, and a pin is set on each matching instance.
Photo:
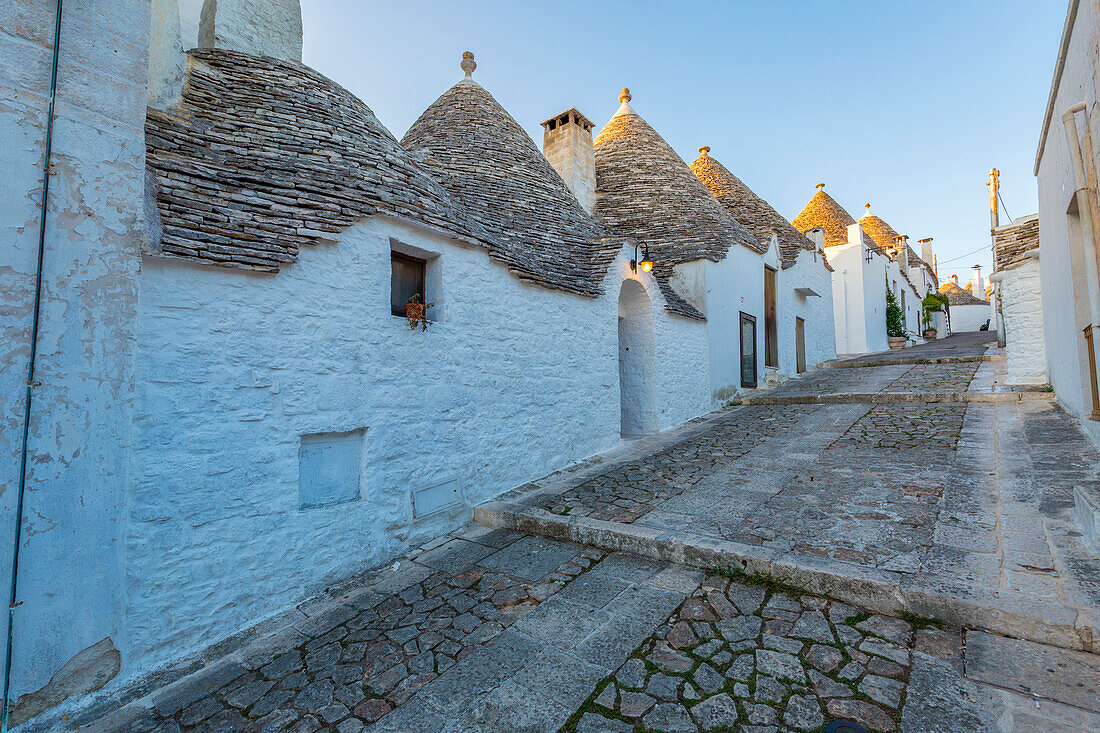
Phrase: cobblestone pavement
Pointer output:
(922, 428)
(496, 631)
(631, 490)
(972, 343)
(935, 378)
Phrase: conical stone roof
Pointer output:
(756, 214)
(879, 231)
(823, 211)
(263, 157)
(645, 191)
(489, 164)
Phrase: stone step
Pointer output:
(854, 364)
(1015, 394)
(883, 591)
(1039, 670)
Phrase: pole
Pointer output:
(994, 222)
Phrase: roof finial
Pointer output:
(820, 186)
(868, 207)
(624, 95)
(468, 64)
(704, 150)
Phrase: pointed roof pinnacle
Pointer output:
(820, 185)
(468, 64)
(624, 95)
(704, 150)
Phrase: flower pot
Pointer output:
(897, 342)
(930, 335)
(415, 313)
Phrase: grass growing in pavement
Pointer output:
(762, 580)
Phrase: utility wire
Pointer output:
(1004, 206)
(979, 249)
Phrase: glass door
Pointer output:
(748, 350)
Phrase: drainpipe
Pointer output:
(1092, 223)
(31, 383)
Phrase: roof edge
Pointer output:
(1059, 67)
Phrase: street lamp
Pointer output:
(645, 263)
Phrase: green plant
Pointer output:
(417, 312)
(895, 318)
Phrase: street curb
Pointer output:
(894, 398)
(909, 360)
(882, 591)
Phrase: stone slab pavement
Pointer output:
(492, 630)
(963, 512)
(966, 345)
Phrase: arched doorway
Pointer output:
(637, 383)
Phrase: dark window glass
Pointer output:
(771, 336)
(406, 280)
(748, 350)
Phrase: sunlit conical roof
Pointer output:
(486, 161)
(756, 214)
(645, 191)
(823, 211)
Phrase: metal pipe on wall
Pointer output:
(13, 603)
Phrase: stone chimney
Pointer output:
(926, 250)
(167, 64)
(977, 286)
(257, 27)
(567, 144)
(954, 279)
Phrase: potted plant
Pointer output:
(926, 321)
(933, 303)
(417, 312)
(895, 321)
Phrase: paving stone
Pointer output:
(593, 723)
(851, 671)
(635, 704)
(708, 679)
(632, 674)
(670, 661)
(839, 613)
(594, 590)
(769, 690)
(742, 627)
(372, 710)
(707, 649)
(780, 665)
(716, 712)
(861, 712)
(664, 687)
(199, 711)
(825, 687)
(782, 644)
(760, 714)
(669, 718)
(564, 678)
(803, 713)
(825, 658)
(891, 629)
(741, 668)
(884, 668)
(882, 690)
(748, 599)
(883, 649)
(608, 697)
(812, 625)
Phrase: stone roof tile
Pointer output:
(264, 156)
(1013, 243)
(756, 214)
(489, 164)
(823, 211)
(645, 191)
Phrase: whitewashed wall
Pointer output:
(1062, 268)
(511, 382)
(733, 285)
(969, 317)
(808, 271)
(1022, 309)
(70, 563)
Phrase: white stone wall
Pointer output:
(1022, 309)
(808, 271)
(511, 382)
(257, 27)
(969, 317)
(733, 285)
(1062, 267)
(71, 554)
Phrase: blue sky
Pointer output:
(903, 105)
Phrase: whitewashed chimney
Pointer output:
(926, 250)
(567, 145)
(977, 286)
(257, 27)
(167, 63)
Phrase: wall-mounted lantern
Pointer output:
(645, 263)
